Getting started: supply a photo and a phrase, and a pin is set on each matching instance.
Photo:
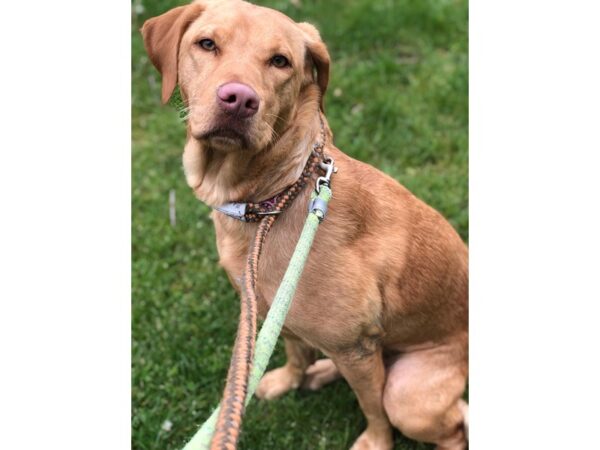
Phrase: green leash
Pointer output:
(267, 337)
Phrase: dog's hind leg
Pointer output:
(277, 382)
(322, 372)
(423, 395)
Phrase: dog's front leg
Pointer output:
(279, 381)
(366, 376)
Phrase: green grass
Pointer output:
(397, 99)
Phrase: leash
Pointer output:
(249, 357)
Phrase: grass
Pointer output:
(397, 99)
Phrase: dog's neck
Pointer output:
(222, 177)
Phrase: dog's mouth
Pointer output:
(225, 136)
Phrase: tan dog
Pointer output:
(384, 292)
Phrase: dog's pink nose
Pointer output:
(238, 99)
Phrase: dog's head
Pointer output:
(240, 68)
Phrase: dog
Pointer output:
(384, 294)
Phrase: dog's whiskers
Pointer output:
(272, 129)
(184, 113)
(274, 115)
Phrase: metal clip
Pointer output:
(268, 213)
(328, 165)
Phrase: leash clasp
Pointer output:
(318, 205)
(329, 167)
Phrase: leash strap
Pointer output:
(229, 421)
(267, 338)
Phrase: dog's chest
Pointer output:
(325, 313)
(233, 243)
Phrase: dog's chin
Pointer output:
(225, 139)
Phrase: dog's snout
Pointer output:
(238, 99)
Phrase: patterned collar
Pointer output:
(253, 212)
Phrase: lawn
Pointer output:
(397, 99)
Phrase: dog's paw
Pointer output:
(277, 382)
(464, 409)
(319, 374)
(370, 440)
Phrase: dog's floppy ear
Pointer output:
(162, 35)
(320, 56)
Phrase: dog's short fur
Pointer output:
(384, 292)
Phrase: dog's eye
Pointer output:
(280, 61)
(207, 44)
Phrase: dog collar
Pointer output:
(243, 211)
(253, 212)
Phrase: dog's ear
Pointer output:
(320, 57)
(162, 35)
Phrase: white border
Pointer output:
(65, 225)
(64, 236)
(535, 225)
